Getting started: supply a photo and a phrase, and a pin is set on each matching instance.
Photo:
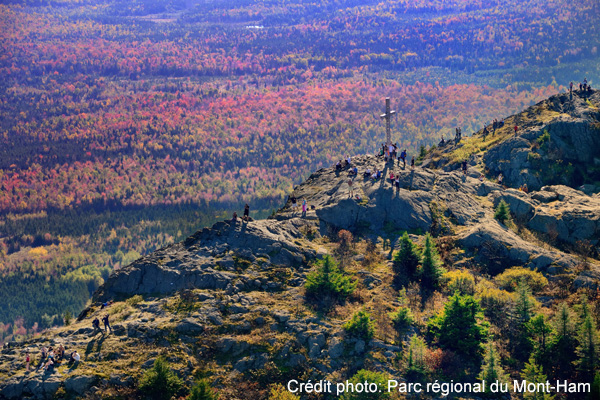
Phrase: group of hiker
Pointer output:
(294, 204)
(583, 86)
(50, 358)
(96, 324)
(390, 153)
(246, 216)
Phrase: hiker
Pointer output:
(354, 171)
(338, 166)
(464, 167)
(27, 361)
(75, 357)
(500, 178)
(580, 87)
(516, 129)
(378, 174)
(233, 219)
(392, 176)
(367, 173)
(391, 151)
(481, 178)
(293, 200)
(96, 322)
(485, 132)
(374, 175)
(304, 207)
(403, 157)
(106, 323)
(348, 159)
(49, 367)
(60, 353)
(246, 212)
(42, 357)
(350, 192)
(397, 181)
(442, 141)
(457, 136)
(412, 163)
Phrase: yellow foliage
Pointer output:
(510, 278)
(38, 252)
(459, 280)
(278, 392)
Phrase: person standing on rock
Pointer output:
(464, 167)
(246, 212)
(500, 179)
(27, 361)
(106, 323)
(304, 207)
(293, 200)
(516, 129)
(412, 163)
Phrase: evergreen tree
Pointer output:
(360, 326)
(533, 373)
(328, 281)
(431, 264)
(563, 342)
(406, 261)
(461, 328)
(502, 213)
(491, 370)
(522, 313)
(587, 349)
(523, 304)
(160, 382)
(540, 337)
(202, 391)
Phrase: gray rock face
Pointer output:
(500, 248)
(195, 263)
(572, 138)
(80, 384)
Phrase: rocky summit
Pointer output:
(229, 304)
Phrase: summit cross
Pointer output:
(388, 115)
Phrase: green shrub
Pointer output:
(460, 281)
(160, 382)
(328, 280)
(202, 391)
(278, 392)
(502, 213)
(402, 319)
(360, 326)
(134, 300)
(363, 376)
(510, 279)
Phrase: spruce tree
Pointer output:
(461, 328)
(540, 338)
(587, 349)
(522, 314)
(563, 342)
(406, 261)
(431, 264)
(328, 281)
(502, 213)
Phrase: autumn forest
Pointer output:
(127, 125)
